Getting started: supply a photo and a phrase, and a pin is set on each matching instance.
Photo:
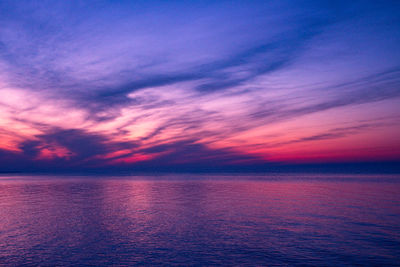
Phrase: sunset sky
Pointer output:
(135, 85)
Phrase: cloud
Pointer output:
(371, 88)
(112, 84)
(72, 147)
(72, 150)
(39, 62)
(330, 134)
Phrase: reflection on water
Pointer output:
(203, 221)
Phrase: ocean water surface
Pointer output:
(322, 220)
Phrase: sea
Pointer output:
(200, 220)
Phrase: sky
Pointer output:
(198, 85)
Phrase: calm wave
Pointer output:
(200, 220)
